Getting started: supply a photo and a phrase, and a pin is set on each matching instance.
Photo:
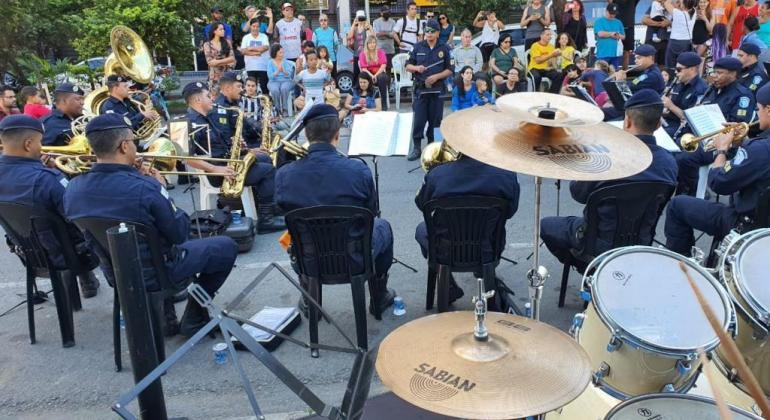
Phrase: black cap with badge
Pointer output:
(21, 122)
(106, 122)
(69, 88)
(193, 88)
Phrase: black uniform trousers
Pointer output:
(428, 109)
(685, 213)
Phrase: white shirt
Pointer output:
(410, 32)
(289, 37)
(256, 62)
(489, 33)
(681, 25)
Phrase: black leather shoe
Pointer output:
(383, 302)
(89, 285)
(414, 155)
(455, 292)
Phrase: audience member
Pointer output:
(325, 62)
(326, 37)
(503, 58)
(8, 102)
(658, 23)
(682, 23)
(704, 25)
(627, 16)
(34, 103)
(359, 32)
(255, 47)
(722, 10)
(490, 32)
(408, 30)
(301, 63)
(567, 47)
(609, 34)
(536, 18)
(735, 25)
(383, 29)
(512, 83)
(280, 73)
(307, 30)
(250, 12)
(363, 99)
(312, 80)
(373, 61)
(467, 54)
(447, 33)
(764, 22)
(750, 28)
(289, 32)
(574, 23)
(483, 95)
(594, 78)
(464, 89)
(219, 53)
(570, 75)
(216, 18)
(541, 62)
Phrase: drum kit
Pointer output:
(638, 349)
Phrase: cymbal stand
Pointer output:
(558, 206)
(537, 274)
(480, 332)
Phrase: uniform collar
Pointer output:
(19, 160)
(225, 101)
(113, 167)
(647, 139)
(58, 114)
(321, 147)
(693, 81)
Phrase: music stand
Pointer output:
(618, 92)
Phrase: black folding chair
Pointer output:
(465, 235)
(23, 223)
(636, 207)
(323, 241)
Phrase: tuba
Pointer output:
(437, 153)
(233, 187)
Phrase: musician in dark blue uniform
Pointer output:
(643, 111)
(325, 177)
(119, 102)
(430, 63)
(25, 180)
(685, 93)
(115, 189)
(230, 90)
(743, 178)
(649, 77)
(464, 177)
(208, 139)
(753, 75)
(58, 124)
(737, 105)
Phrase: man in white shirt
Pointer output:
(289, 31)
(255, 48)
(408, 30)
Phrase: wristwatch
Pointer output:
(722, 152)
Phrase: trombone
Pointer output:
(690, 142)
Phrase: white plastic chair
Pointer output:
(209, 194)
(401, 77)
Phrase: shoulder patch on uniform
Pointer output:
(441, 54)
(163, 192)
(744, 102)
(221, 111)
(223, 120)
(641, 78)
(740, 156)
(727, 166)
(109, 111)
(757, 79)
(64, 182)
(741, 113)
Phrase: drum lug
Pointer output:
(683, 366)
(697, 255)
(668, 388)
(577, 323)
(585, 295)
(604, 370)
(614, 344)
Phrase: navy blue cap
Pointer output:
(433, 24)
(21, 121)
(69, 88)
(644, 97)
(231, 76)
(750, 48)
(763, 95)
(109, 121)
(117, 78)
(193, 88)
(728, 63)
(612, 8)
(689, 59)
(217, 8)
(320, 111)
(645, 50)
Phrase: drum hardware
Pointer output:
(577, 322)
(674, 406)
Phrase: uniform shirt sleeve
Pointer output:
(448, 59)
(52, 190)
(739, 172)
(742, 109)
(580, 190)
(172, 223)
(371, 194)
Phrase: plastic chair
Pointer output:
(637, 206)
(97, 227)
(22, 223)
(209, 195)
(531, 85)
(459, 241)
(401, 77)
(323, 240)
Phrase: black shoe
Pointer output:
(180, 296)
(195, 317)
(89, 285)
(383, 302)
(267, 221)
(455, 292)
(415, 154)
(302, 307)
(170, 323)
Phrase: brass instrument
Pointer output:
(436, 153)
(78, 145)
(233, 187)
(690, 142)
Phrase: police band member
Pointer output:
(325, 177)
(115, 189)
(685, 93)
(649, 77)
(737, 105)
(119, 102)
(58, 124)
(25, 180)
(753, 75)
(463, 177)
(230, 91)
(431, 64)
(208, 139)
(743, 177)
(643, 112)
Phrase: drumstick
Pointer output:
(734, 355)
(724, 411)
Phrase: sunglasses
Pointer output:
(442, 18)
(678, 69)
(429, 16)
(430, 31)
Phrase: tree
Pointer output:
(462, 12)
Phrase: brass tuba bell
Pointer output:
(436, 153)
(78, 145)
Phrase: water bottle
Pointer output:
(399, 307)
(236, 217)
(528, 310)
(122, 321)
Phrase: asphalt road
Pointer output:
(47, 381)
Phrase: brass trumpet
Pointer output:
(690, 142)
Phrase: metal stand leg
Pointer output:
(537, 274)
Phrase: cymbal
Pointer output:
(570, 112)
(525, 368)
(592, 153)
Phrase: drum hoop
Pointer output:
(622, 405)
(760, 313)
(637, 342)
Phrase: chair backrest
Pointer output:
(635, 208)
(97, 227)
(24, 223)
(399, 68)
(762, 211)
(332, 243)
(465, 232)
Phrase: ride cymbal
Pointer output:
(592, 153)
(568, 112)
(525, 367)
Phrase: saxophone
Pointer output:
(233, 187)
(273, 142)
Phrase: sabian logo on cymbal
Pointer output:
(570, 149)
(588, 158)
(510, 324)
(434, 384)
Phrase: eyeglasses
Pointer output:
(429, 16)
(132, 139)
(678, 69)
(430, 31)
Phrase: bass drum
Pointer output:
(731, 393)
(744, 268)
(592, 404)
(673, 407)
(644, 325)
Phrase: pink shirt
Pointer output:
(36, 110)
(372, 67)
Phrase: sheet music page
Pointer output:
(704, 119)
(380, 134)
(403, 138)
(661, 137)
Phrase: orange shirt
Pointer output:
(722, 9)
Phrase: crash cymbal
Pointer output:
(592, 153)
(569, 112)
(525, 367)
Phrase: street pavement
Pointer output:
(47, 381)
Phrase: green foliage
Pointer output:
(42, 72)
(462, 12)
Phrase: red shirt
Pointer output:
(36, 110)
(375, 65)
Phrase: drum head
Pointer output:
(642, 293)
(672, 407)
(752, 263)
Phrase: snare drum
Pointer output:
(673, 407)
(644, 325)
(744, 268)
(592, 404)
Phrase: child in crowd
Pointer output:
(571, 75)
(312, 80)
(483, 95)
(34, 104)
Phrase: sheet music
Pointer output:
(704, 119)
(380, 134)
(661, 137)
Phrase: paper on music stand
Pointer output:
(381, 134)
(662, 138)
(704, 119)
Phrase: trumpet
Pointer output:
(690, 142)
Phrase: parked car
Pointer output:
(344, 79)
